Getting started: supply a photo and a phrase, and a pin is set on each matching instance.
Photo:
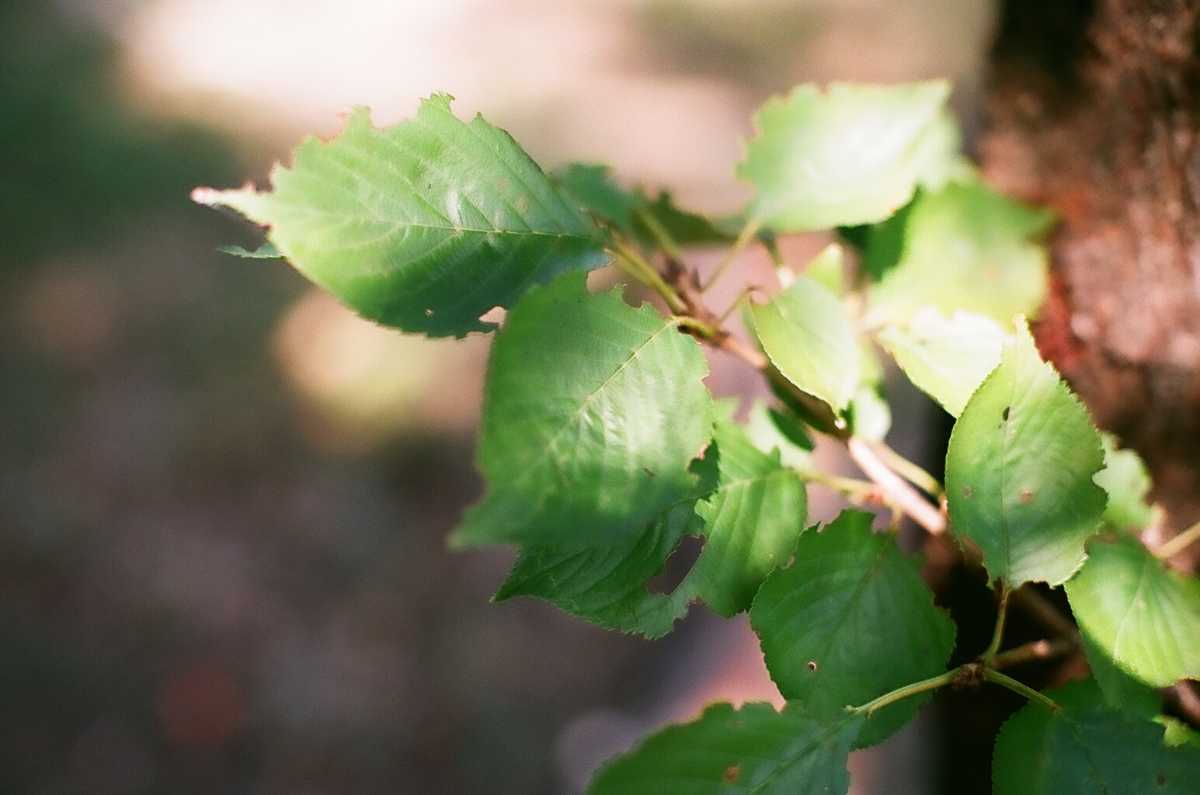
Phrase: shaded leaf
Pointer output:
(749, 750)
(851, 154)
(425, 225)
(750, 523)
(1144, 616)
(946, 358)
(850, 620)
(592, 412)
(807, 334)
(1119, 690)
(1088, 749)
(1019, 470)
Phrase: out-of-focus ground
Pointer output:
(223, 498)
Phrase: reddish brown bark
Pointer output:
(1094, 110)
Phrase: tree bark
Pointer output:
(1093, 109)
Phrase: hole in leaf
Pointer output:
(677, 566)
(967, 491)
(1004, 414)
(812, 666)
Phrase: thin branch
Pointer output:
(916, 688)
(1186, 701)
(1173, 546)
(898, 491)
(633, 264)
(910, 471)
(1034, 651)
(998, 632)
(1044, 611)
(1020, 688)
(749, 230)
(663, 237)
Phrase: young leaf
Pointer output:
(1127, 482)
(965, 247)
(1087, 749)
(750, 523)
(592, 412)
(807, 334)
(946, 359)
(423, 226)
(1176, 733)
(850, 620)
(1019, 470)
(851, 154)
(1143, 615)
(749, 750)
(869, 415)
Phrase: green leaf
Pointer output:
(684, 226)
(1176, 733)
(1144, 616)
(869, 416)
(964, 247)
(1120, 690)
(592, 412)
(633, 212)
(749, 750)
(1127, 482)
(424, 226)
(1087, 749)
(946, 358)
(939, 155)
(607, 585)
(594, 190)
(1019, 470)
(851, 154)
(772, 429)
(850, 620)
(828, 269)
(265, 251)
(751, 523)
(807, 334)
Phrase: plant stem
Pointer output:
(749, 230)
(1180, 542)
(852, 487)
(897, 490)
(633, 264)
(992, 675)
(916, 688)
(664, 239)
(998, 633)
(1035, 650)
(910, 471)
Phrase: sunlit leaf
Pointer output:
(946, 358)
(592, 412)
(1143, 615)
(425, 225)
(1127, 482)
(1019, 470)
(851, 154)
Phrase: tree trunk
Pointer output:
(1094, 110)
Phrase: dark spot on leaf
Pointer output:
(1004, 414)
(732, 773)
(428, 313)
(649, 472)
(1026, 496)
(812, 665)
(967, 492)
(1160, 780)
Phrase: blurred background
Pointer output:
(223, 499)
